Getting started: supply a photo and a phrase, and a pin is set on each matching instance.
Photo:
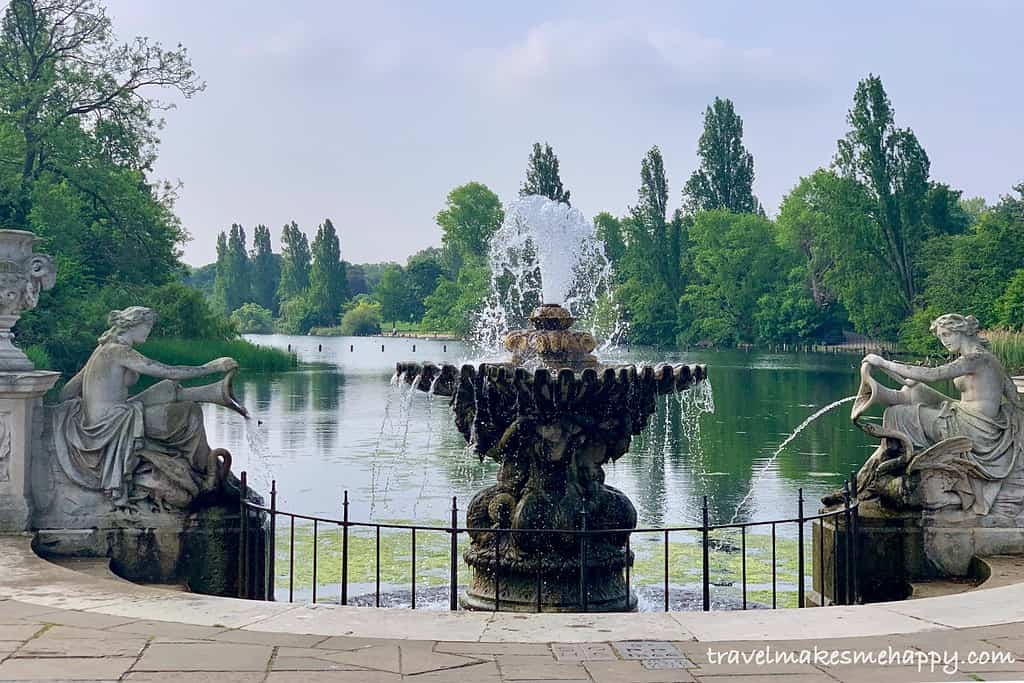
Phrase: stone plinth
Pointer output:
(889, 555)
(895, 549)
(20, 401)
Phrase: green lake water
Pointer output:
(337, 423)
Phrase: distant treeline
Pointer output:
(871, 245)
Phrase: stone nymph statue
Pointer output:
(962, 459)
(149, 447)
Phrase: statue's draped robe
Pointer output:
(997, 445)
(135, 450)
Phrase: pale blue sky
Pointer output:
(369, 113)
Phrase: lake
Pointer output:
(337, 423)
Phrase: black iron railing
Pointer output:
(843, 522)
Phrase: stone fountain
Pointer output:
(552, 417)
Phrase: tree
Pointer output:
(238, 289)
(893, 168)
(397, 301)
(609, 231)
(542, 175)
(738, 262)
(970, 273)
(78, 135)
(471, 215)
(232, 286)
(827, 222)
(328, 286)
(266, 270)
(423, 270)
(725, 177)
(356, 276)
(294, 263)
(798, 229)
(1009, 307)
(64, 73)
(651, 269)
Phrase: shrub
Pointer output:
(362, 319)
(253, 319)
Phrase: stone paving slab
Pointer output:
(332, 677)
(17, 631)
(620, 671)
(64, 668)
(182, 677)
(204, 657)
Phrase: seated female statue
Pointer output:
(983, 431)
(150, 445)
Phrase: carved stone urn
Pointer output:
(23, 275)
(552, 419)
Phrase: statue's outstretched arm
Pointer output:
(133, 360)
(958, 368)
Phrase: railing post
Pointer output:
(800, 552)
(497, 578)
(854, 530)
(242, 537)
(272, 552)
(665, 559)
(705, 578)
(847, 517)
(316, 528)
(583, 557)
(344, 548)
(453, 597)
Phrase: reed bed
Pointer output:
(252, 357)
(1008, 347)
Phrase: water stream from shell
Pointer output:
(771, 460)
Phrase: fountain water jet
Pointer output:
(552, 416)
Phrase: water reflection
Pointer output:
(337, 423)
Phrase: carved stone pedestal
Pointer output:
(897, 548)
(20, 429)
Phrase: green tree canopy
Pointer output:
(609, 231)
(725, 177)
(893, 168)
(542, 175)
(266, 269)
(233, 286)
(68, 87)
(295, 264)
(396, 298)
(328, 286)
(737, 260)
(471, 215)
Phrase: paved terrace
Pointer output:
(58, 624)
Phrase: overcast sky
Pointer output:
(369, 113)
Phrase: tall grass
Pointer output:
(198, 351)
(1008, 347)
(39, 357)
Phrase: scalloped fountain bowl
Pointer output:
(552, 418)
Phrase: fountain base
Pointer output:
(605, 591)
